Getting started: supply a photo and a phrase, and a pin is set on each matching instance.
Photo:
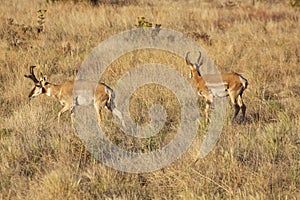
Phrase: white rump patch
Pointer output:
(243, 81)
(48, 93)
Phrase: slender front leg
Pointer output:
(207, 109)
(242, 106)
(64, 109)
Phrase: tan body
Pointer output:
(60, 92)
(209, 86)
(103, 94)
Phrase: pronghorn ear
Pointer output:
(44, 80)
(43, 77)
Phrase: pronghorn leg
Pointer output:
(207, 109)
(233, 99)
(237, 110)
(99, 109)
(242, 106)
(100, 115)
(64, 109)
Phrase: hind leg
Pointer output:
(99, 110)
(237, 110)
(207, 109)
(64, 109)
(242, 106)
(233, 98)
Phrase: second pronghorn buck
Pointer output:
(232, 85)
(103, 94)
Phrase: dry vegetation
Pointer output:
(259, 159)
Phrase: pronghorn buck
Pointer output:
(209, 86)
(103, 94)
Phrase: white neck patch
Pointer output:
(48, 92)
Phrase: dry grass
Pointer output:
(256, 160)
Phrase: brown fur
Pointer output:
(103, 97)
(234, 85)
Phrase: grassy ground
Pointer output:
(259, 159)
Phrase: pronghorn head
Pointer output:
(195, 67)
(39, 85)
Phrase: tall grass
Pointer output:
(259, 159)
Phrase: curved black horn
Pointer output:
(199, 59)
(31, 75)
(187, 60)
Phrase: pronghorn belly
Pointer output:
(83, 97)
(218, 89)
(218, 92)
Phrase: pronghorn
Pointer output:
(233, 85)
(103, 94)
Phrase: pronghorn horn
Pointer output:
(199, 59)
(187, 60)
(32, 76)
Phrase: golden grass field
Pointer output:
(258, 159)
